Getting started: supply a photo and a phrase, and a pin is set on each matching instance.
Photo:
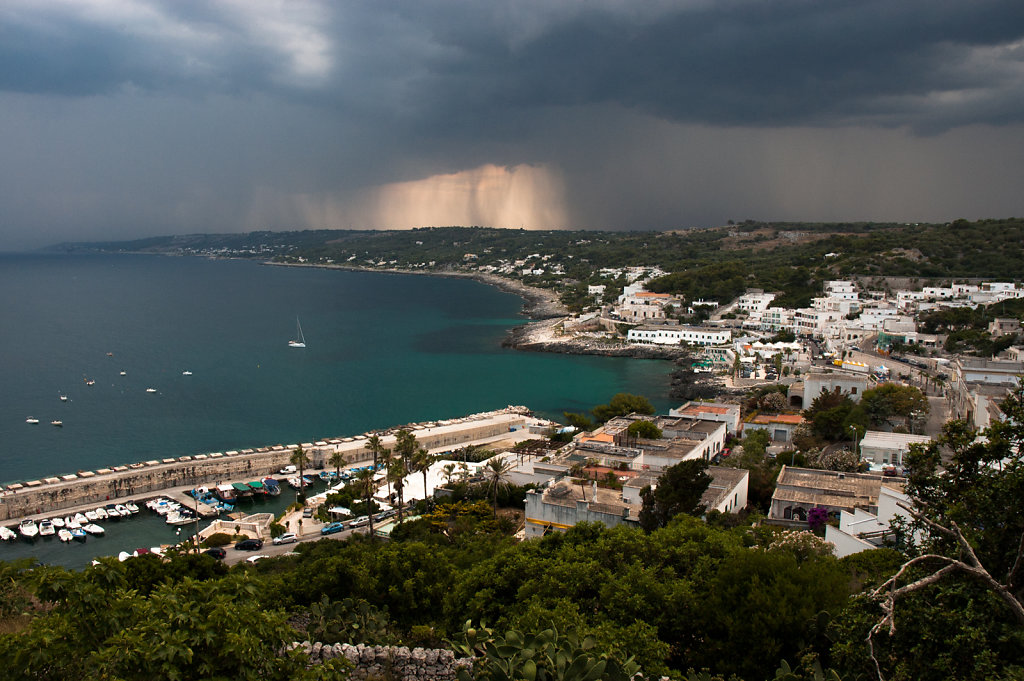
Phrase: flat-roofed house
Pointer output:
(798, 490)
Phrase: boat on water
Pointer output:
(272, 486)
(112, 512)
(132, 507)
(258, 490)
(63, 397)
(123, 372)
(242, 489)
(179, 517)
(300, 340)
(94, 529)
(64, 535)
(150, 390)
(101, 513)
(28, 529)
(46, 528)
(91, 517)
(57, 522)
(123, 510)
(89, 381)
(7, 534)
(80, 519)
(57, 422)
(32, 419)
(186, 372)
(78, 534)
(71, 523)
(225, 493)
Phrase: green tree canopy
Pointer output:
(678, 490)
(622, 404)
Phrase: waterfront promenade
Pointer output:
(153, 477)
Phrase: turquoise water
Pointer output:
(382, 350)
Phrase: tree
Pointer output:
(366, 486)
(622, 404)
(337, 460)
(890, 400)
(374, 445)
(396, 476)
(578, 421)
(679, 490)
(421, 462)
(496, 477)
(644, 429)
(299, 458)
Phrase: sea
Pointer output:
(116, 335)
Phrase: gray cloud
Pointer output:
(134, 117)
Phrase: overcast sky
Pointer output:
(121, 118)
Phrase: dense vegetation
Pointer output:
(738, 601)
(715, 263)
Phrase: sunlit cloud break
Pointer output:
(528, 196)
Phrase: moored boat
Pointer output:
(78, 534)
(258, 490)
(64, 535)
(132, 507)
(272, 486)
(28, 529)
(101, 513)
(32, 419)
(57, 522)
(7, 534)
(123, 510)
(112, 512)
(225, 493)
(94, 529)
(81, 519)
(57, 422)
(46, 528)
(242, 489)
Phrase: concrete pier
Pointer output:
(149, 478)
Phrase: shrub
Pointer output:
(217, 539)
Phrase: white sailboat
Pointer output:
(300, 341)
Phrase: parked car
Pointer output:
(331, 528)
(249, 545)
(217, 552)
(307, 513)
(258, 556)
(360, 521)
(286, 538)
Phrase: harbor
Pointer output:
(176, 479)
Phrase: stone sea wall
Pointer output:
(391, 662)
(149, 478)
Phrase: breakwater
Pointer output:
(147, 478)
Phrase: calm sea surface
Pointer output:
(382, 350)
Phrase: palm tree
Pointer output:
(374, 445)
(496, 476)
(387, 459)
(405, 445)
(300, 459)
(421, 462)
(396, 475)
(337, 459)
(366, 487)
(449, 472)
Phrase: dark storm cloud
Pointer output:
(444, 65)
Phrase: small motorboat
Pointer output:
(81, 519)
(123, 372)
(90, 517)
(57, 422)
(64, 535)
(63, 397)
(123, 556)
(150, 390)
(32, 419)
(89, 381)
(186, 373)
(101, 513)
(46, 528)
(57, 522)
(132, 507)
(112, 512)
(71, 523)
(7, 534)
(78, 534)
(94, 529)
(123, 510)
(28, 529)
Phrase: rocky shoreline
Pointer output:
(546, 336)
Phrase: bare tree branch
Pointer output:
(1011, 578)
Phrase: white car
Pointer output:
(257, 557)
(287, 538)
(359, 522)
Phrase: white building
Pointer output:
(644, 306)
(674, 335)
(860, 529)
(889, 449)
(755, 301)
(817, 383)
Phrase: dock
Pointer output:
(155, 477)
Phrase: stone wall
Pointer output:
(396, 663)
